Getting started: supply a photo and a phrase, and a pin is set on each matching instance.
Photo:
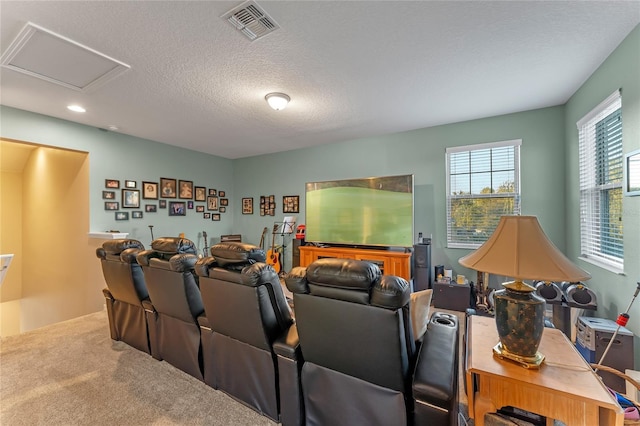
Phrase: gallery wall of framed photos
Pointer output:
(129, 199)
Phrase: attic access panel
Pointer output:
(43, 54)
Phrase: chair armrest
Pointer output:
(107, 294)
(435, 379)
(288, 344)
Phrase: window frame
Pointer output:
(516, 195)
(595, 192)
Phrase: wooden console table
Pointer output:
(565, 387)
(391, 262)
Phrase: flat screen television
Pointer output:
(375, 211)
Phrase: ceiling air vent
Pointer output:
(251, 20)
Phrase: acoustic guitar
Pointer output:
(273, 256)
(205, 250)
(262, 237)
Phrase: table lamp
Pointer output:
(520, 249)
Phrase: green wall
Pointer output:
(421, 153)
(620, 70)
(118, 156)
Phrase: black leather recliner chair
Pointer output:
(126, 294)
(177, 304)
(251, 349)
(361, 364)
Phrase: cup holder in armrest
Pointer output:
(445, 319)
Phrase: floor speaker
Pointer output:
(421, 267)
(296, 243)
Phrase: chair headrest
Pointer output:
(351, 280)
(120, 245)
(173, 245)
(233, 252)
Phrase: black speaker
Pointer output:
(421, 267)
(295, 260)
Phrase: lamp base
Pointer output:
(531, 362)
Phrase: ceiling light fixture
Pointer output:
(277, 101)
(76, 108)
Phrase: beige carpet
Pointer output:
(72, 373)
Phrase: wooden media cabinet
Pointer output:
(390, 262)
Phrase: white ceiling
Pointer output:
(352, 68)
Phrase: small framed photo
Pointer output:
(215, 216)
(168, 188)
(112, 183)
(122, 215)
(111, 205)
(190, 204)
(290, 204)
(200, 194)
(247, 205)
(162, 204)
(224, 201)
(108, 195)
(186, 190)
(131, 198)
(223, 209)
(177, 208)
(150, 208)
(136, 215)
(200, 209)
(130, 184)
(212, 203)
(150, 190)
(206, 215)
(221, 194)
(212, 192)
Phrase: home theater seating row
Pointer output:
(349, 357)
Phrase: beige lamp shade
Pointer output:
(520, 249)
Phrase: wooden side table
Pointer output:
(564, 388)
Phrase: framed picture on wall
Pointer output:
(215, 216)
(222, 194)
(122, 215)
(290, 204)
(111, 205)
(212, 203)
(222, 209)
(200, 209)
(200, 193)
(168, 188)
(212, 192)
(150, 208)
(108, 195)
(112, 183)
(150, 190)
(224, 201)
(206, 215)
(186, 189)
(136, 215)
(129, 183)
(177, 208)
(162, 204)
(130, 198)
(247, 205)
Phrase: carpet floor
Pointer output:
(72, 373)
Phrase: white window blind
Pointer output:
(483, 183)
(601, 161)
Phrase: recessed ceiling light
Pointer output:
(76, 108)
(112, 127)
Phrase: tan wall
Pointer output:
(55, 274)
(11, 242)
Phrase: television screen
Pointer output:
(376, 211)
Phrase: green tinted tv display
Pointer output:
(375, 211)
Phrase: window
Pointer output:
(483, 183)
(601, 165)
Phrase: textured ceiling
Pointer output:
(352, 68)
